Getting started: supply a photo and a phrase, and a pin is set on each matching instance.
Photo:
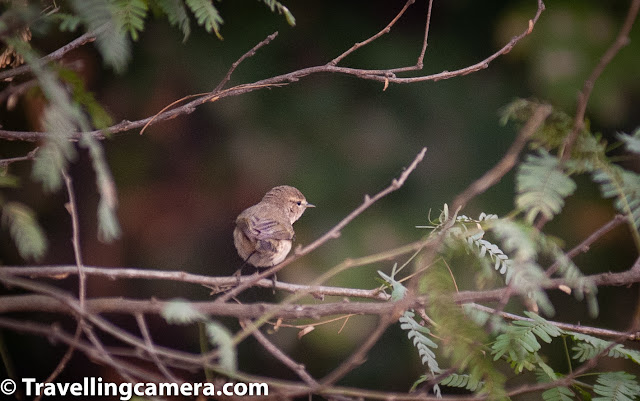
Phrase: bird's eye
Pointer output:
(299, 203)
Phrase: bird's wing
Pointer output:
(265, 228)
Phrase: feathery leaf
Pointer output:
(25, 230)
(207, 15)
(542, 186)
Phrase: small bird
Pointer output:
(264, 232)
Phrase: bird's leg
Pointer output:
(274, 279)
(238, 272)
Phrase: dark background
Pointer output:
(336, 138)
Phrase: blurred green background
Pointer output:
(336, 138)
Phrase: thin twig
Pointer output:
(56, 55)
(88, 331)
(30, 156)
(583, 97)
(507, 162)
(584, 246)
(358, 357)
(144, 330)
(296, 367)
(245, 56)
(384, 31)
(72, 208)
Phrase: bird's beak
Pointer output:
(310, 205)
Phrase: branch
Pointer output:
(56, 55)
(384, 31)
(583, 97)
(298, 368)
(30, 156)
(248, 54)
(385, 76)
(217, 283)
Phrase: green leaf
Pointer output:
(100, 118)
(587, 347)
(273, 5)
(632, 143)
(181, 311)
(616, 386)
(68, 22)
(25, 231)
(177, 15)
(206, 15)
(624, 186)
(519, 343)
(131, 15)
(398, 290)
(462, 381)
(53, 157)
(108, 226)
(220, 337)
(524, 275)
(542, 186)
(99, 17)
(558, 394)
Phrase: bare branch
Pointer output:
(245, 56)
(384, 31)
(56, 55)
(584, 246)
(583, 97)
(144, 330)
(298, 368)
(384, 76)
(30, 156)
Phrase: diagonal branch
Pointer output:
(384, 31)
(583, 97)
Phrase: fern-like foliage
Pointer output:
(24, 230)
(524, 274)
(100, 16)
(462, 381)
(519, 344)
(131, 15)
(62, 118)
(415, 331)
(276, 5)
(587, 347)
(616, 386)
(624, 186)
(177, 15)
(542, 186)
(418, 334)
(631, 142)
(206, 14)
(558, 394)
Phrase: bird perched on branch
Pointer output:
(264, 232)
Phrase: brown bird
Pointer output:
(264, 232)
